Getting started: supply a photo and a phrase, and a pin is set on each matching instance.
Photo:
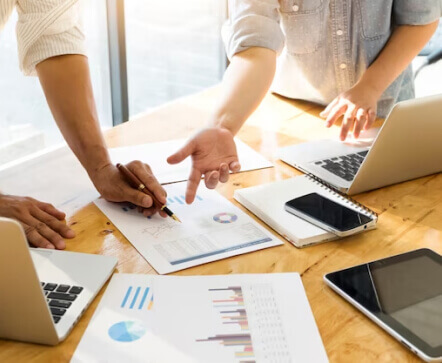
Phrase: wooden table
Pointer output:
(410, 218)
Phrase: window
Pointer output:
(26, 123)
(174, 48)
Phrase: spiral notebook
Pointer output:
(267, 203)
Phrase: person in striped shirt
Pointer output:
(51, 46)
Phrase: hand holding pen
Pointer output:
(136, 183)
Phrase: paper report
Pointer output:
(212, 228)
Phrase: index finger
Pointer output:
(335, 113)
(349, 119)
(192, 185)
(327, 110)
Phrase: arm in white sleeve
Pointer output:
(48, 28)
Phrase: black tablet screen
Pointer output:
(404, 291)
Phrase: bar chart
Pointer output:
(174, 199)
(230, 303)
(137, 298)
(181, 199)
(253, 309)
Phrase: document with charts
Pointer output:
(212, 228)
(226, 318)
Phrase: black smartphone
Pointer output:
(329, 215)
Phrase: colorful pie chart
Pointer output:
(127, 331)
(225, 217)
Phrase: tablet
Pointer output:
(402, 294)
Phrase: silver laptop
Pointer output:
(44, 292)
(408, 146)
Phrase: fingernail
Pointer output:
(61, 245)
(51, 247)
(70, 234)
(235, 166)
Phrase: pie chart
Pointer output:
(127, 331)
(225, 217)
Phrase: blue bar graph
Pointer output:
(134, 300)
(143, 299)
(126, 296)
(181, 199)
(178, 200)
(139, 297)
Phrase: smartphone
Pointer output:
(329, 215)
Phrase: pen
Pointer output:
(136, 183)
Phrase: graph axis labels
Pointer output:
(225, 217)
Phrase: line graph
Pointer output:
(159, 228)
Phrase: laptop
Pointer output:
(44, 292)
(408, 146)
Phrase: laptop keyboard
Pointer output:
(345, 166)
(60, 298)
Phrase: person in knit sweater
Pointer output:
(51, 47)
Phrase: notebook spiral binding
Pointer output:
(344, 197)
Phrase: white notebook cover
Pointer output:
(267, 203)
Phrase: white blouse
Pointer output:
(45, 28)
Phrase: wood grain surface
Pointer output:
(410, 217)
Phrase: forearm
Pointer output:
(245, 84)
(404, 44)
(68, 89)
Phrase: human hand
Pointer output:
(113, 187)
(213, 153)
(42, 222)
(358, 105)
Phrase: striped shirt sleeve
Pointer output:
(47, 28)
(6, 7)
